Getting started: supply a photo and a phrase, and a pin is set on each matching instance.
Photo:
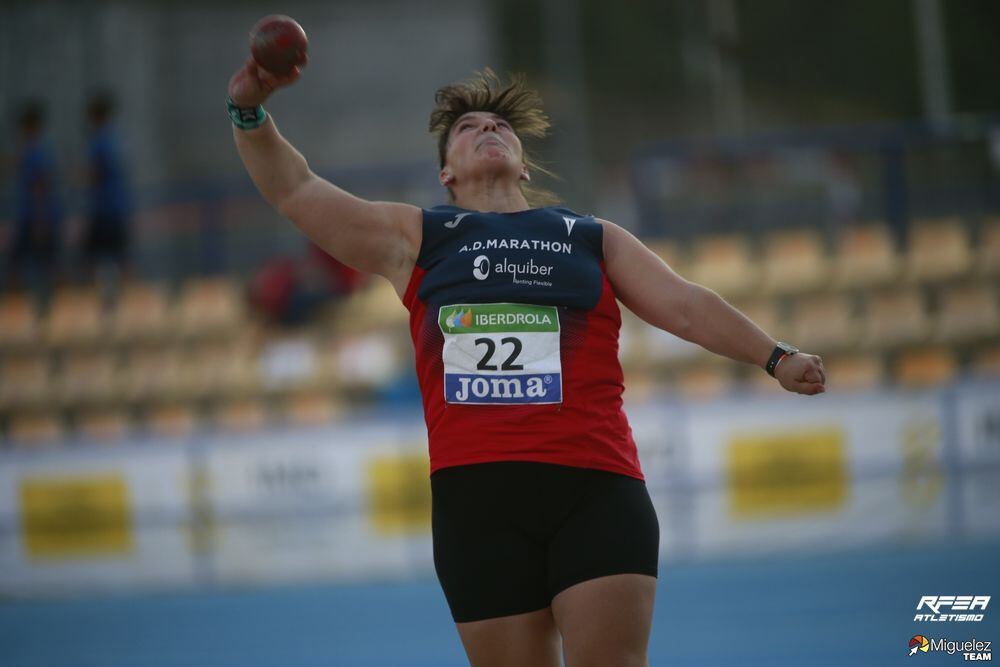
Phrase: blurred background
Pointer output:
(212, 448)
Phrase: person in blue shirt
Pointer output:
(34, 249)
(106, 235)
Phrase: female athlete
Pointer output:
(545, 540)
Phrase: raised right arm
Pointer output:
(376, 237)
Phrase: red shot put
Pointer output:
(278, 44)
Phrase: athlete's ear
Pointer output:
(446, 177)
(525, 176)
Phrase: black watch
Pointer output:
(781, 350)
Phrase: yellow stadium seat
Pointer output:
(795, 261)
(18, 320)
(854, 372)
(151, 374)
(35, 429)
(220, 369)
(988, 254)
(968, 312)
(894, 318)
(174, 420)
(938, 250)
(725, 264)
(311, 408)
(107, 426)
(372, 308)
(25, 381)
(88, 378)
(986, 362)
(142, 313)
(825, 323)
(210, 307)
(242, 416)
(76, 317)
(865, 257)
(925, 367)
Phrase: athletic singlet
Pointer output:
(515, 329)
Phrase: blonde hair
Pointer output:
(511, 100)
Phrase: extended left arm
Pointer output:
(658, 295)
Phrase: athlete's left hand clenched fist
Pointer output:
(802, 373)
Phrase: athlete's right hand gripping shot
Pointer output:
(545, 541)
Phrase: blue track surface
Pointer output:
(852, 608)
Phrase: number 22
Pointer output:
(491, 347)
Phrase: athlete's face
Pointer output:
(482, 144)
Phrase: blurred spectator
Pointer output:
(106, 234)
(34, 248)
(290, 291)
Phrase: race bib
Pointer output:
(501, 353)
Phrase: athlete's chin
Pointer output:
(494, 163)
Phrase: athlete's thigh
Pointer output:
(603, 564)
(521, 640)
(606, 621)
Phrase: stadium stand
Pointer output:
(827, 321)
(169, 363)
(925, 366)
(894, 318)
(865, 257)
(142, 314)
(939, 250)
(725, 263)
(18, 321)
(988, 256)
(75, 318)
(795, 261)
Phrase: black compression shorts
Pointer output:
(509, 536)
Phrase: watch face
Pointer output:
(789, 349)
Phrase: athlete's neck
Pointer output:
(490, 196)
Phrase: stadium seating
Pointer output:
(87, 378)
(967, 313)
(142, 314)
(25, 381)
(245, 415)
(18, 321)
(986, 362)
(826, 321)
(170, 419)
(210, 307)
(104, 426)
(865, 257)
(311, 408)
(938, 250)
(76, 317)
(894, 318)
(988, 255)
(794, 262)
(925, 366)
(725, 264)
(854, 371)
(169, 363)
(35, 428)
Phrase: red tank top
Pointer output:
(515, 329)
